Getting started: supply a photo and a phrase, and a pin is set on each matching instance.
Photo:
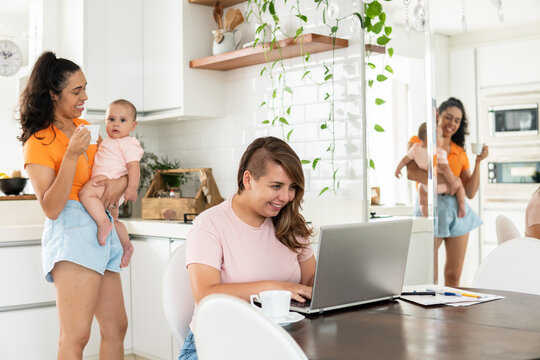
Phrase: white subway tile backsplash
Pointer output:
(340, 131)
(219, 143)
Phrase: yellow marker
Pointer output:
(470, 295)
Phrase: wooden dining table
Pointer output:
(507, 328)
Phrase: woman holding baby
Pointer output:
(58, 158)
(453, 230)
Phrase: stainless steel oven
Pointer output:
(512, 120)
(514, 172)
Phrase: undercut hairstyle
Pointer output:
(49, 76)
(127, 104)
(422, 131)
(463, 130)
(290, 226)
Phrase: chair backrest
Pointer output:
(226, 327)
(513, 266)
(506, 229)
(177, 298)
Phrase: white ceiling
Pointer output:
(445, 15)
(19, 7)
(481, 15)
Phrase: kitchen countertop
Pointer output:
(23, 220)
(162, 228)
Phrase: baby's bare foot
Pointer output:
(461, 211)
(104, 229)
(126, 256)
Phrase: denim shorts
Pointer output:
(73, 237)
(188, 352)
(448, 223)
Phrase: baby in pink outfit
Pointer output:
(118, 154)
(418, 154)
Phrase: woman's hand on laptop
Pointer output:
(299, 292)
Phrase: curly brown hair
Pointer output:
(49, 75)
(463, 130)
(289, 224)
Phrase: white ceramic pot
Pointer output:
(231, 40)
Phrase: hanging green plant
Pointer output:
(371, 18)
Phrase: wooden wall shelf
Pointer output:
(224, 3)
(18, 197)
(311, 43)
(378, 49)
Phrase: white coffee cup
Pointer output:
(274, 303)
(94, 133)
(476, 148)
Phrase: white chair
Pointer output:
(506, 229)
(177, 298)
(226, 327)
(513, 266)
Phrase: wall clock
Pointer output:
(10, 58)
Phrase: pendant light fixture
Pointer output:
(407, 26)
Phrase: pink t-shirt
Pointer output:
(113, 155)
(242, 253)
(418, 154)
(532, 214)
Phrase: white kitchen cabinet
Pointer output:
(140, 50)
(113, 62)
(21, 276)
(29, 334)
(151, 336)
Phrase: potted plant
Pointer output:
(172, 181)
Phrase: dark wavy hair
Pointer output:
(463, 130)
(50, 74)
(289, 224)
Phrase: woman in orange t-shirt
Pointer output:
(58, 160)
(451, 229)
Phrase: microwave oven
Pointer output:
(518, 172)
(512, 120)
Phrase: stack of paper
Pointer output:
(445, 295)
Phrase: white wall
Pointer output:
(15, 27)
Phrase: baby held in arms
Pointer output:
(118, 154)
(418, 154)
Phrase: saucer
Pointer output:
(292, 317)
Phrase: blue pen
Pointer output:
(447, 293)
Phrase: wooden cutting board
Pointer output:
(18, 197)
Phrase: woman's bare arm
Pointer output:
(52, 191)
(307, 270)
(416, 174)
(472, 181)
(206, 280)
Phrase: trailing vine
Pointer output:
(370, 17)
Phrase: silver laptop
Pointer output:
(358, 264)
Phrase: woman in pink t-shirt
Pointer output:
(532, 216)
(256, 240)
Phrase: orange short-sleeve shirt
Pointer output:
(48, 146)
(457, 159)
(414, 140)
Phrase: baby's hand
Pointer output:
(398, 173)
(130, 194)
